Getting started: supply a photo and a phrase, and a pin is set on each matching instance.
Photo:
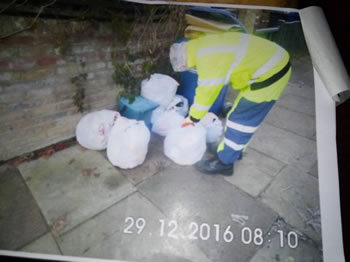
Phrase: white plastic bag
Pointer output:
(165, 120)
(93, 129)
(156, 113)
(213, 126)
(172, 116)
(179, 104)
(185, 145)
(128, 143)
(159, 88)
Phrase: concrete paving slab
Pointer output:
(307, 78)
(314, 170)
(192, 198)
(297, 103)
(300, 89)
(44, 245)
(298, 123)
(20, 217)
(272, 251)
(250, 179)
(254, 172)
(285, 146)
(295, 196)
(73, 185)
(118, 233)
(231, 95)
(314, 136)
(302, 72)
(156, 142)
(155, 162)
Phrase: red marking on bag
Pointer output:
(101, 130)
(187, 124)
(115, 117)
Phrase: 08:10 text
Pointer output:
(204, 231)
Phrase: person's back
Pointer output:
(213, 54)
(259, 68)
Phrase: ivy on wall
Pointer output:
(152, 34)
(142, 35)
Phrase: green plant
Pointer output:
(62, 42)
(123, 76)
(121, 27)
(78, 98)
(151, 33)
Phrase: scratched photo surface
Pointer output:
(59, 197)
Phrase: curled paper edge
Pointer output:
(324, 53)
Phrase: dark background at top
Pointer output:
(337, 15)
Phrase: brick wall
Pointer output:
(36, 69)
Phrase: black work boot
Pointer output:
(213, 147)
(214, 166)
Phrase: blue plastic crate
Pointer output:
(140, 109)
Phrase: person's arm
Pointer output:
(211, 69)
(206, 94)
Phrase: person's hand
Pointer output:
(187, 122)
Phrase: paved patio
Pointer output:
(76, 203)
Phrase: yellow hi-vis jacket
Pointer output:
(237, 58)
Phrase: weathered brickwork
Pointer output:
(36, 71)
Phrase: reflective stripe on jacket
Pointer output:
(236, 58)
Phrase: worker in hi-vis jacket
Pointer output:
(258, 68)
